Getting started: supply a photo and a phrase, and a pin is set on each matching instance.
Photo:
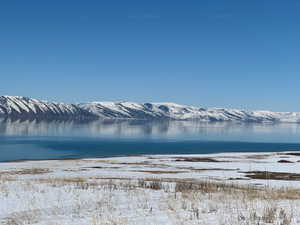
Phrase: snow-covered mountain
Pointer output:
(22, 107)
(174, 111)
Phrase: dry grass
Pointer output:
(241, 191)
(196, 159)
(159, 171)
(187, 201)
(20, 218)
(260, 156)
(32, 171)
(266, 175)
(184, 201)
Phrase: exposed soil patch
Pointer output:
(205, 169)
(291, 153)
(132, 164)
(101, 167)
(265, 175)
(237, 178)
(257, 156)
(159, 171)
(196, 159)
(33, 171)
(284, 161)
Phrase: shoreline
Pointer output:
(189, 189)
(213, 154)
(243, 167)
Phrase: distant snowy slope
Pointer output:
(130, 110)
(22, 107)
(123, 110)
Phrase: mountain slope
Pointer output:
(123, 110)
(112, 110)
(22, 107)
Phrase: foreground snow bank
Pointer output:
(258, 188)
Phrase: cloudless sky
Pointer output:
(230, 53)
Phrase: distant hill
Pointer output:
(23, 107)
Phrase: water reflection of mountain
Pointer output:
(139, 128)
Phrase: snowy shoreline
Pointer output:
(152, 189)
(234, 167)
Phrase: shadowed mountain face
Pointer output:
(22, 107)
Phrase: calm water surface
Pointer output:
(22, 140)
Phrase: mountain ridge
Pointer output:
(24, 107)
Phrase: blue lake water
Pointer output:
(26, 140)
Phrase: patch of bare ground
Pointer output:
(258, 156)
(134, 163)
(102, 167)
(144, 164)
(284, 161)
(291, 153)
(266, 175)
(206, 169)
(159, 171)
(197, 159)
(33, 171)
(238, 178)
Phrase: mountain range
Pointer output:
(29, 108)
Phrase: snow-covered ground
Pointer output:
(215, 189)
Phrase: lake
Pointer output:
(32, 140)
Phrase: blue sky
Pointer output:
(230, 53)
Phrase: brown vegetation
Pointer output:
(266, 175)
